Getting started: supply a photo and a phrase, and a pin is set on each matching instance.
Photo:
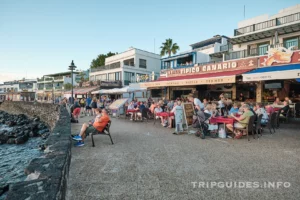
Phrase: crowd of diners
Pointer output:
(240, 110)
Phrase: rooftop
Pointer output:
(214, 39)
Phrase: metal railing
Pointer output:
(106, 67)
(268, 24)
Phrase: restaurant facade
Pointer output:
(261, 61)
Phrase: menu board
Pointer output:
(117, 104)
(188, 112)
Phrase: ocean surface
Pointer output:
(14, 158)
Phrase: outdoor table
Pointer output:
(165, 114)
(222, 120)
(276, 109)
(132, 111)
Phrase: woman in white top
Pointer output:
(178, 103)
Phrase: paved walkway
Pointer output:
(148, 162)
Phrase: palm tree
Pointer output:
(168, 47)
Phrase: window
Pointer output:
(117, 76)
(262, 49)
(101, 77)
(291, 42)
(128, 78)
(111, 76)
(129, 62)
(143, 63)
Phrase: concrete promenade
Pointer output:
(148, 162)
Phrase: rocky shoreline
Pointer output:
(19, 128)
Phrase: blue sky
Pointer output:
(41, 37)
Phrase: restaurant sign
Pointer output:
(199, 81)
(280, 75)
(250, 63)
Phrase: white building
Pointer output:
(19, 89)
(29, 85)
(54, 83)
(128, 67)
(202, 52)
(255, 36)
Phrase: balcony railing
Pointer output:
(106, 67)
(259, 51)
(268, 24)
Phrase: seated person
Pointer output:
(141, 107)
(152, 107)
(205, 102)
(288, 100)
(98, 125)
(208, 109)
(76, 110)
(269, 109)
(221, 103)
(243, 121)
(215, 111)
(259, 110)
(277, 101)
(158, 109)
(170, 104)
(131, 107)
(285, 109)
(234, 109)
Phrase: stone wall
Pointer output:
(48, 113)
(47, 175)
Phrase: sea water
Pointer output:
(15, 158)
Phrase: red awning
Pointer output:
(82, 90)
(207, 75)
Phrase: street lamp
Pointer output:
(72, 67)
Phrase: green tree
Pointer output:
(169, 48)
(100, 60)
(68, 86)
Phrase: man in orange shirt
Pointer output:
(99, 124)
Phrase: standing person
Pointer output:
(82, 105)
(94, 105)
(178, 103)
(88, 103)
(241, 98)
(197, 103)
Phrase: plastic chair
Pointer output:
(105, 132)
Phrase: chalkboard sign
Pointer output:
(178, 119)
(188, 112)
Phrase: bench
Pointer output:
(105, 132)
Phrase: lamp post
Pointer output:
(72, 67)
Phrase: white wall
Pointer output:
(202, 57)
(266, 17)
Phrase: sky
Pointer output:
(43, 37)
